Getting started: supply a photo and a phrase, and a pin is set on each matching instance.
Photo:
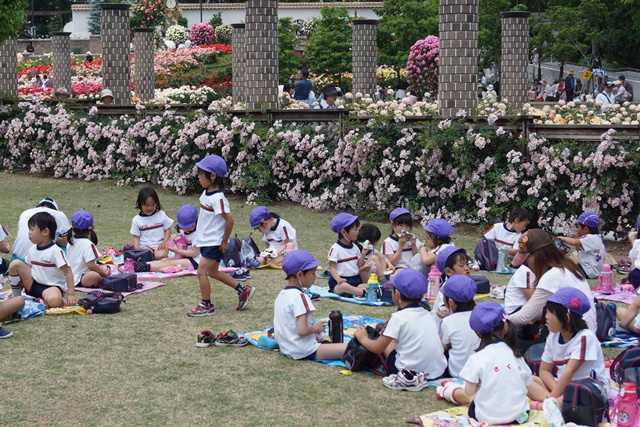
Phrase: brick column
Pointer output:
(238, 63)
(61, 61)
(9, 67)
(458, 56)
(364, 56)
(116, 62)
(143, 77)
(515, 57)
(261, 47)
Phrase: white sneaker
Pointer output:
(408, 380)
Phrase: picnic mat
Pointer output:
(146, 286)
(151, 275)
(621, 339)
(625, 297)
(457, 416)
(323, 291)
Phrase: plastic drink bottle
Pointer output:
(335, 327)
(626, 408)
(128, 266)
(181, 243)
(502, 260)
(434, 283)
(373, 288)
(605, 280)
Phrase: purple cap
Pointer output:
(410, 283)
(187, 216)
(259, 214)
(397, 212)
(638, 221)
(588, 218)
(443, 256)
(81, 220)
(459, 288)
(439, 227)
(213, 163)
(486, 317)
(298, 260)
(572, 299)
(342, 221)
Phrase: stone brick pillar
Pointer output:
(61, 61)
(116, 62)
(261, 47)
(9, 67)
(143, 77)
(238, 63)
(364, 56)
(515, 57)
(458, 56)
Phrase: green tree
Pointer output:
(329, 47)
(287, 58)
(490, 31)
(402, 23)
(95, 23)
(12, 12)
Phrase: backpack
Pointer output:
(358, 358)
(483, 286)
(102, 302)
(121, 283)
(487, 254)
(605, 322)
(248, 251)
(139, 255)
(232, 255)
(629, 358)
(585, 402)
(533, 358)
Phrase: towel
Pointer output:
(323, 291)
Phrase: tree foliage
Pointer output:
(95, 17)
(490, 31)
(12, 13)
(287, 59)
(329, 47)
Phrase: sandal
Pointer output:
(230, 339)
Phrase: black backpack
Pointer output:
(358, 358)
(533, 358)
(487, 254)
(629, 358)
(585, 402)
(121, 283)
(605, 322)
(233, 257)
(102, 302)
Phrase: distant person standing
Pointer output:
(30, 47)
(302, 86)
(88, 58)
(570, 85)
(627, 86)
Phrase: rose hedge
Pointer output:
(454, 169)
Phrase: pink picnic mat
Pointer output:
(150, 275)
(145, 287)
(625, 297)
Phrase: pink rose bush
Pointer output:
(422, 66)
(201, 33)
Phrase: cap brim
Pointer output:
(519, 259)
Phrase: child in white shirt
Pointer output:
(151, 228)
(82, 252)
(519, 289)
(588, 243)
(437, 235)
(450, 261)
(276, 233)
(634, 256)
(507, 233)
(401, 246)
(343, 257)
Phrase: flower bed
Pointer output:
(453, 168)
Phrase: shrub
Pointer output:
(223, 34)
(201, 33)
(422, 66)
(177, 34)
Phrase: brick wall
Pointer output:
(238, 63)
(9, 67)
(458, 56)
(61, 61)
(144, 78)
(116, 65)
(364, 56)
(261, 47)
(515, 57)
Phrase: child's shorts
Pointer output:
(312, 356)
(193, 263)
(634, 277)
(352, 280)
(212, 252)
(391, 363)
(38, 288)
(4, 268)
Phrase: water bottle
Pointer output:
(181, 243)
(606, 287)
(502, 260)
(434, 283)
(128, 266)
(335, 327)
(626, 407)
(373, 288)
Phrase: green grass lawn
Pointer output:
(141, 366)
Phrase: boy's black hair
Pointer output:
(304, 72)
(519, 213)
(592, 230)
(511, 338)
(462, 306)
(44, 220)
(144, 194)
(219, 181)
(355, 223)
(410, 300)
(439, 240)
(303, 272)
(404, 219)
(83, 232)
(287, 87)
(574, 323)
(369, 232)
(456, 257)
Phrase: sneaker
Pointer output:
(230, 339)
(205, 339)
(245, 296)
(202, 310)
(408, 380)
(4, 333)
(241, 275)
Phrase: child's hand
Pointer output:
(361, 333)
(224, 246)
(412, 239)
(71, 300)
(342, 280)
(318, 326)
(162, 246)
(365, 267)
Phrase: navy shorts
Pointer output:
(212, 252)
(4, 268)
(634, 277)
(352, 280)
(193, 263)
(37, 289)
(312, 356)
(391, 363)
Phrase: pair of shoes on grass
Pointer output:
(225, 339)
(407, 379)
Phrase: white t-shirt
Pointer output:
(150, 228)
(22, 243)
(514, 298)
(592, 255)
(78, 255)
(502, 236)
(346, 258)
(390, 247)
(291, 303)
(634, 253)
(210, 228)
(414, 332)
(583, 346)
(45, 266)
(503, 380)
(3, 233)
(279, 233)
(455, 330)
(557, 278)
